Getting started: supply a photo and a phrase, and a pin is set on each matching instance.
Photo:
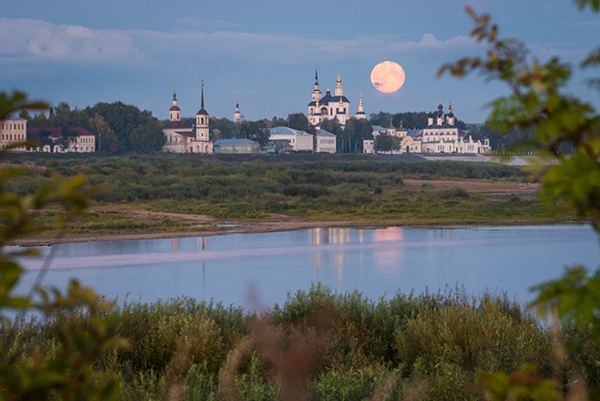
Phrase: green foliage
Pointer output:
(387, 143)
(539, 102)
(409, 120)
(147, 138)
(81, 332)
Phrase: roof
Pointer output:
(285, 131)
(202, 112)
(360, 113)
(322, 132)
(14, 117)
(230, 142)
(57, 132)
(175, 108)
(186, 133)
(175, 125)
(378, 128)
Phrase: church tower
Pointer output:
(174, 111)
(361, 115)
(237, 116)
(339, 91)
(316, 93)
(202, 122)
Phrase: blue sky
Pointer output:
(263, 53)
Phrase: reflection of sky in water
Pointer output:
(374, 261)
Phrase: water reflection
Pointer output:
(372, 261)
(388, 234)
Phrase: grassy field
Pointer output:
(307, 187)
(353, 348)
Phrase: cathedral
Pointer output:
(182, 139)
(331, 107)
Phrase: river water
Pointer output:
(377, 262)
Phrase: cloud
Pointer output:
(35, 39)
(205, 23)
(40, 40)
(582, 23)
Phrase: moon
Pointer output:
(387, 77)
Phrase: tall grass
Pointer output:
(361, 348)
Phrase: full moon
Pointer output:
(388, 77)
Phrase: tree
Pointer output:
(147, 138)
(386, 143)
(297, 121)
(255, 131)
(539, 102)
(24, 114)
(122, 119)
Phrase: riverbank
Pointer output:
(287, 224)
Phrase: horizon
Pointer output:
(263, 58)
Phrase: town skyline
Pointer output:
(106, 52)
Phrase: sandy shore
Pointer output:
(272, 226)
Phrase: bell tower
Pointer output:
(202, 120)
(174, 111)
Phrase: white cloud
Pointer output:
(582, 23)
(35, 39)
(27, 39)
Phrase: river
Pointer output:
(377, 262)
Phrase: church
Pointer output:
(183, 139)
(331, 107)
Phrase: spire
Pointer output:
(316, 74)
(174, 93)
(202, 100)
(339, 91)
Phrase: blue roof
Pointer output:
(14, 117)
(378, 128)
(285, 131)
(322, 132)
(229, 142)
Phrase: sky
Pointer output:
(262, 53)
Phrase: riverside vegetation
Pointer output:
(309, 187)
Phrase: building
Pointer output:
(326, 142)
(13, 130)
(369, 144)
(237, 116)
(183, 139)
(236, 146)
(300, 141)
(62, 140)
(443, 136)
(331, 107)
(279, 146)
(440, 136)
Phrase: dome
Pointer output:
(175, 108)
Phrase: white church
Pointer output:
(331, 107)
(183, 139)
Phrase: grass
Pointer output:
(438, 342)
(310, 187)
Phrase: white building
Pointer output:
(443, 136)
(237, 115)
(440, 136)
(79, 141)
(183, 139)
(300, 141)
(331, 107)
(13, 130)
(326, 142)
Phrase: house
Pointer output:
(300, 141)
(63, 140)
(235, 146)
(13, 130)
(326, 142)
